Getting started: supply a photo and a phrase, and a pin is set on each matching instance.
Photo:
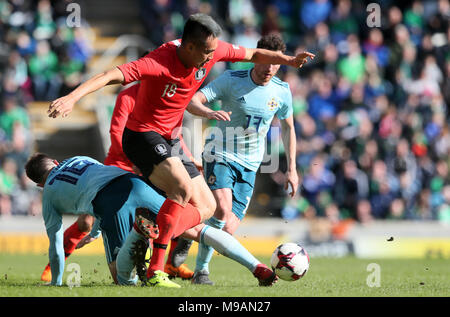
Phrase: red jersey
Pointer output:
(168, 86)
(124, 106)
(125, 103)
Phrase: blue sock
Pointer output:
(206, 252)
(227, 245)
(124, 264)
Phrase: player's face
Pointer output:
(263, 73)
(202, 54)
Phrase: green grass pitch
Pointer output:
(328, 277)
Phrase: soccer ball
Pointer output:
(290, 261)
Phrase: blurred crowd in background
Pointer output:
(41, 58)
(371, 110)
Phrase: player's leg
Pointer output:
(154, 157)
(203, 200)
(110, 257)
(175, 266)
(171, 176)
(179, 249)
(220, 178)
(132, 253)
(224, 198)
(146, 196)
(200, 207)
(232, 186)
(72, 235)
(226, 244)
(181, 252)
(116, 206)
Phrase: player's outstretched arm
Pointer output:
(197, 107)
(263, 56)
(64, 105)
(289, 142)
(56, 253)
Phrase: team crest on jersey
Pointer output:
(272, 104)
(161, 149)
(200, 74)
(211, 179)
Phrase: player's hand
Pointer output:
(86, 240)
(291, 184)
(302, 58)
(219, 115)
(61, 106)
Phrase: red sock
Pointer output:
(189, 218)
(72, 236)
(167, 220)
(173, 244)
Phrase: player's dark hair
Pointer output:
(272, 42)
(37, 166)
(199, 27)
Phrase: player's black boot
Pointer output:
(138, 252)
(145, 224)
(181, 251)
(202, 277)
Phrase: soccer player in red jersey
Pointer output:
(170, 75)
(125, 103)
(79, 230)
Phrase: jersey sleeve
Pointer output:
(218, 88)
(230, 53)
(139, 69)
(55, 233)
(286, 109)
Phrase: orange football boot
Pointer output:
(182, 271)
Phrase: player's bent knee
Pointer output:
(232, 222)
(212, 205)
(223, 210)
(182, 195)
(193, 233)
(208, 205)
(206, 213)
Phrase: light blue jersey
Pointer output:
(253, 108)
(70, 188)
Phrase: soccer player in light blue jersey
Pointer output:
(82, 185)
(234, 150)
(126, 207)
